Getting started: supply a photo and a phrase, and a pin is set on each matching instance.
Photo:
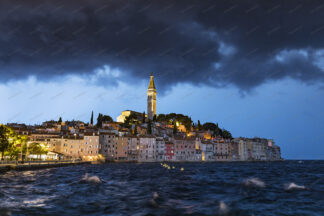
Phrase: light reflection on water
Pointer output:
(278, 188)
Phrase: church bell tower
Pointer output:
(151, 99)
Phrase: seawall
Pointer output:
(25, 167)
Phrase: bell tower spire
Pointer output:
(151, 98)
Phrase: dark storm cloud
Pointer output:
(240, 43)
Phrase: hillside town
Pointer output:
(140, 137)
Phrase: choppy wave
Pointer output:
(90, 179)
(38, 202)
(293, 186)
(254, 182)
(151, 189)
(223, 208)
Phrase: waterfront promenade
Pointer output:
(32, 165)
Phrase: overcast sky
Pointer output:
(255, 67)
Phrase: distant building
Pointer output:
(86, 148)
(221, 151)
(234, 150)
(122, 148)
(185, 149)
(207, 151)
(133, 148)
(108, 145)
(160, 149)
(242, 149)
(169, 151)
(259, 149)
(147, 149)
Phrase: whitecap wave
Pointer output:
(293, 186)
(90, 179)
(254, 182)
(223, 209)
(155, 195)
(39, 202)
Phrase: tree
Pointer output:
(199, 125)
(154, 118)
(226, 134)
(4, 139)
(99, 120)
(149, 127)
(161, 118)
(171, 117)
(91, 119)
(130, 120)
(135, 130)
(210, 126)
(37, 149)
(187, 123)
(143, 117)
(175, 129)
(18, 146)
(107, 118)
(60, 120)
(11, 144)
(103, 118)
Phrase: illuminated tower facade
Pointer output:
(151, 99)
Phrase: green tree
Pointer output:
(99, 120)
(130, 120)
(37, 149)
(103, 118)
(226, 134)
(210, 126)
(175, 129)
(199, 125)
(154, 118)
(91, 119)
(161, 118)
(135, 130)
(171, 117)
(107, 118)
(143, 117)
(11, 144)
(60, 120)
(149, 127)
(187, 123)
(4, 139)
(18, 146)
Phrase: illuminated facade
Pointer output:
(75, 147)
(151, 99)
(127, 113)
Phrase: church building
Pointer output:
(151, 105)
